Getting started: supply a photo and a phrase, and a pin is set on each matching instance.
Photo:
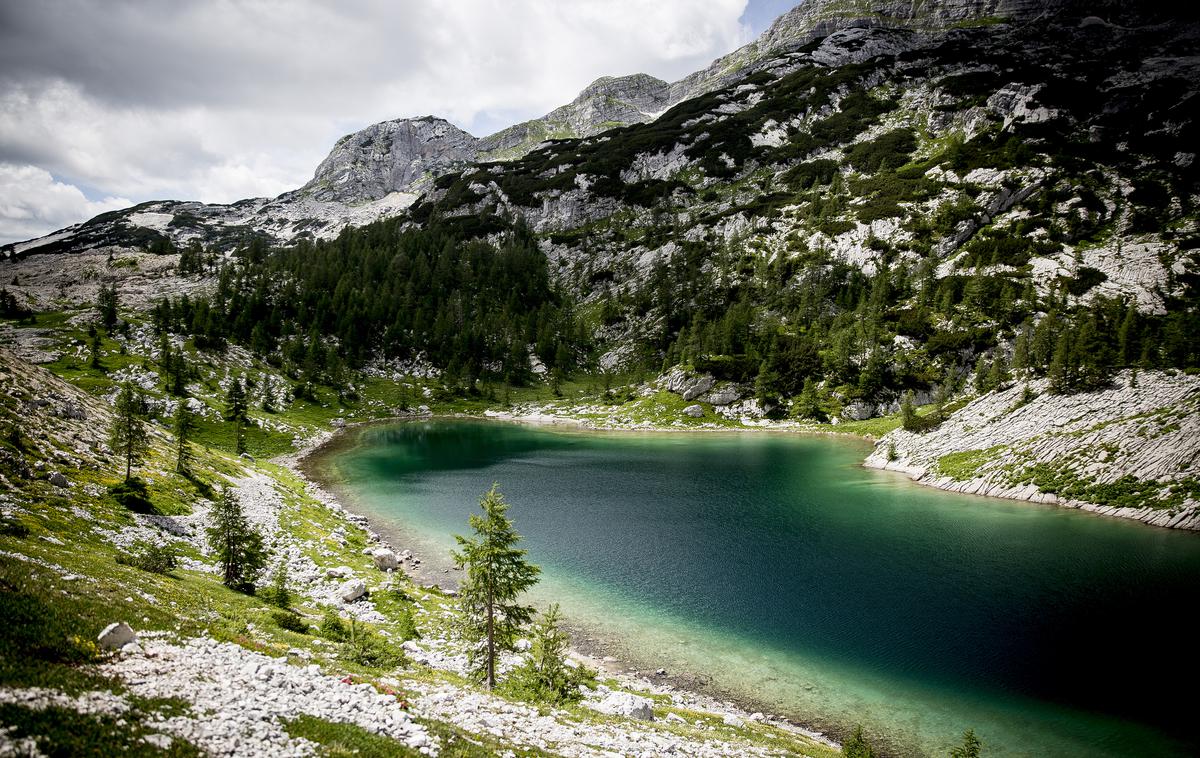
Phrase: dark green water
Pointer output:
(793, 577)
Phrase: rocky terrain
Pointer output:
(1132, 451)
(237, 684)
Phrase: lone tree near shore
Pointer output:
(238, 545)
(128, 434)
(497, 573)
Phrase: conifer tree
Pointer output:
(497, 574)
(235, 400)
(185, 422)
(106, 307)
(545, 675)
(971, 746)
(128, 435)
(238, 546)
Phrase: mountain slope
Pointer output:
(377, 172)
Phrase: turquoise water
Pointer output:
(787, 575)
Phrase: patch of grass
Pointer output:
(64, 732)
(965, 464)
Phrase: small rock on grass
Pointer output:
(116, 636)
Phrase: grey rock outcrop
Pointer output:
(1146, 435)
(391, 156)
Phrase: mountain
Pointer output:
(379, 171)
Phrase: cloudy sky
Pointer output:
(105, 103)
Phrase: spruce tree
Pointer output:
(238, 546)
(107, 303)
(857, 746)
(545, 675)
(128, 435)
(235, 400)
(971, 746)
(497, 573)
(185, 422)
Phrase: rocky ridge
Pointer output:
(379, 171)
(1137, 441)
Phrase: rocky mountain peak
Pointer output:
(387, 157)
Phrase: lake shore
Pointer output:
(587, 646)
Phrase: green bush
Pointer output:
(133, 495)
(369, 649)
(333, 628)
(149, 556)
(406, 625)
(11, 527)
(290, 621)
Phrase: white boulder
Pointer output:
(352, 590)
(116, 636)
(385, 559)
(624, 704)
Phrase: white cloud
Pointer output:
(32, 203)
(220, 101)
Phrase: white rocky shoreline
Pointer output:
(668, 685)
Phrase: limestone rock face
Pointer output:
(390, 156)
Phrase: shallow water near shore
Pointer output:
(784, 574)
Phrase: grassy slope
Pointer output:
(60, 578)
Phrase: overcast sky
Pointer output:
(105, 103)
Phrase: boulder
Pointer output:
(340, 572)
(859, 411)
(694, 411)
(352, 590)
(625, 704)
(727, 395)
(116, 636)
(385, 559)
(58, 480)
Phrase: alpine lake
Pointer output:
(774, 570)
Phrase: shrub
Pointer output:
(290, 621)
(11, 527)
(158, 558)
(369, 649)
(406, 625)
(133, 495)
(333, 627)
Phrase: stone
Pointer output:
(385, 559)
(352, 590)
(734, 721)
(116, 636)
(694, 411)
(625, 704)
(58, 479)
(340, 572)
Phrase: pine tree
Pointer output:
(545, 675)
(94, 344)
(238, 546)
(185, 423)
(107, 303)
(235, 400)
(908, 413)
(971, 746)
(497, 573)
(1061, 372)
(997, 374)
(857, 746)
(128, 435)
(268, 394)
